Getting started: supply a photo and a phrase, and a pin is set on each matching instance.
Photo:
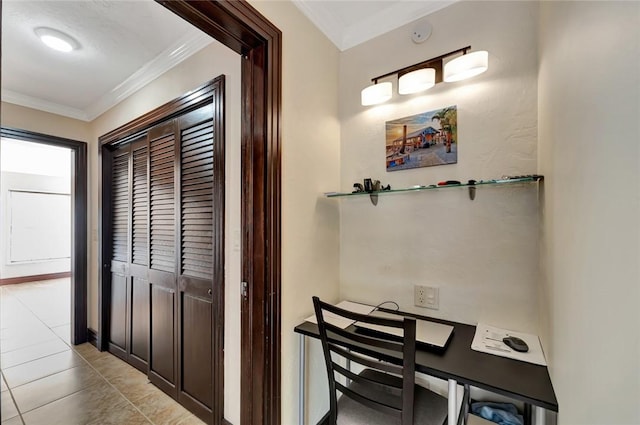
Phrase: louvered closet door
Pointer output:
(163, 205)
(140, 290)
(201, 259)
(120, 243)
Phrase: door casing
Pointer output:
(78, 223)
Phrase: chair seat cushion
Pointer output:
(429, 408)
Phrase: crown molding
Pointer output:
(191, 43)
(20, 99)
(323, 20)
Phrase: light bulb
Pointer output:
(466, 66)
(376, 94)
(417, 81)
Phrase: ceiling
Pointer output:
(127, 44)
(348, 23)
(123, 46)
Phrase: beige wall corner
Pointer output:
(589, 104)
(24, 118)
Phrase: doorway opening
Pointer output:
(44, 227)
(35, 266)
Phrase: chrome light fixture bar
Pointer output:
(424, 75)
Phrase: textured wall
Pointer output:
(482, 254)
(589, 110)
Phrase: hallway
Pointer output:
(45, 381)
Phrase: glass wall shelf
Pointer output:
(471, 187)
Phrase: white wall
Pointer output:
(482, 254)
(205, 65)
(24, 184)
(589, 133)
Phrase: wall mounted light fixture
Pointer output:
(424, 75)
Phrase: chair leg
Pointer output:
(464, 406)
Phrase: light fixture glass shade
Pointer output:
(56, 40)
(417, 81)
(376, 93)
(466, 66)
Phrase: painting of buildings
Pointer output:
(423, 140)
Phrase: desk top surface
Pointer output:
(523, 381)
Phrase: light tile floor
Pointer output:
(46, 381)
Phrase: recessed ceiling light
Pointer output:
(57, 40)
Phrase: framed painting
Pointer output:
(423, 140)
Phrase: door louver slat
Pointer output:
(120, 206)
(140, 209)
(162, 204)
(196, 201)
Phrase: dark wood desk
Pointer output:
(459, 364)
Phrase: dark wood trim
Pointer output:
(79, 243)
(189, 101)
(92, 337)
(34, 278)
(240, 27)
(226, 422)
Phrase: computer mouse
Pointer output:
(516, 344)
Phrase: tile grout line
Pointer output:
(38, 317)
(52, 401)
(20, 414)
(5, 293)
(13, 399)
(113, 386)
(57, 337)
(72, 348)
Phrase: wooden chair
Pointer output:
(384, 392)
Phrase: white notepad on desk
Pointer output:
(488, 339)
(427, 332)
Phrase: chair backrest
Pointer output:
(391, 355)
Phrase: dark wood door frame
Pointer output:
(78, 223)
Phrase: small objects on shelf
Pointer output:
(376, 187)
(535, 177)
(370, 186)
(449, 183)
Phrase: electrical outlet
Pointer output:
(426, 296)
